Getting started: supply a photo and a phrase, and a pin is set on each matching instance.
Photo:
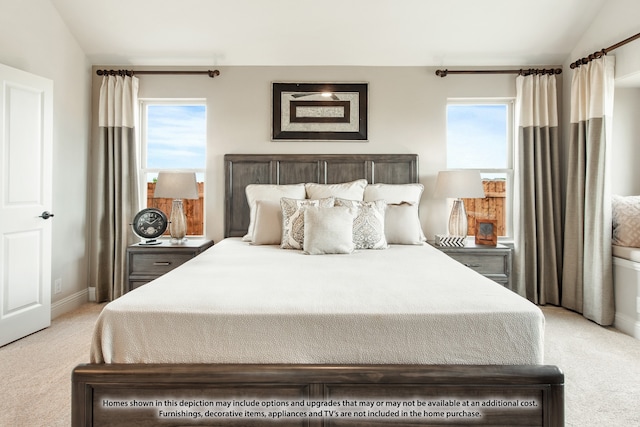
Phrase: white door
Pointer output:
(26, 112)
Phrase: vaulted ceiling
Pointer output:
(328, 32)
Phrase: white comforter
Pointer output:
(238, 303)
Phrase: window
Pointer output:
(480, 136)
(174, 137)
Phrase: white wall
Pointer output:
(626, 142)
(33, 38)
(406, 115)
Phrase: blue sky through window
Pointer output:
(477, 136)
(176, 136)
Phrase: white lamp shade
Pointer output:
(461, 184)
(176, 185)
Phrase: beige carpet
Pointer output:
(36, 370)
(601, 366)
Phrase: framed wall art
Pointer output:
(320, 111)
(486, 232)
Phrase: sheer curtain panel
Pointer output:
(115, 188)
(587, 282)
(538, 232)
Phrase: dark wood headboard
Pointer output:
(243, 169)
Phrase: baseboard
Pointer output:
(69, 303)
(627, 325)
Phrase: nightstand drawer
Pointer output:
(156, 263)
(493, 262)
(483, 264)
(133, 284)
(148, 262)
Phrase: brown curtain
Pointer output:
(115, 186)
(537, 207)
(587, 281)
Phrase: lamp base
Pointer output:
(458, 219)
(178, 222)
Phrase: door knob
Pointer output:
(46, 215)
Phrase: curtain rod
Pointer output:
(210, 73)
(603, 52)
(522, 72)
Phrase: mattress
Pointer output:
(239, 303)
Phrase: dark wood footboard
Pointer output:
(317, 395)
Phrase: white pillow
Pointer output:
(268, 223)
(328, 230)
(353, 190)
(626, 221)
(271, 193)
(368, 225)
(402, 223)
(293, 219)
(394, 193)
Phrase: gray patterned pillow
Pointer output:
(368, 226)
(626, 221)
(293, 219)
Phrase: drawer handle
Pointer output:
(472, 265)
(162, 263)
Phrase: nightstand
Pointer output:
(146, 262)
(493, 262)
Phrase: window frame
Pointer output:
(143, 170)
(509, 171)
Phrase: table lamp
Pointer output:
(177, 186)
(459, 184)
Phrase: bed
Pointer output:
(317, 340)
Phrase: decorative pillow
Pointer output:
(626, 221)
(398, 227)
(353, 190)
(269, 192)
(402, 225)
(293, 219)
(268, 223)
(368, 225)
(394, 193)
(328, 230)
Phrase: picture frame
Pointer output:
(320, 111)
(486, 232)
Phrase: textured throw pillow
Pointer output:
(402, 225)
(293, 219)
(268, 223)
(328, 230)
(268, 192)
(626, 221)
(368, 225)
(353, 190)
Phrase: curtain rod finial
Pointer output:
(213, 73)
(441, 73)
